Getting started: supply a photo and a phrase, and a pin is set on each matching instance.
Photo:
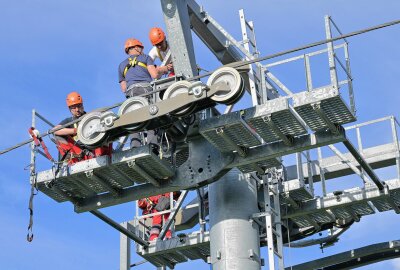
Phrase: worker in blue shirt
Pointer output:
(135, 75)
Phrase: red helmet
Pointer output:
(131, 42)
(156, 35)
(74, 98)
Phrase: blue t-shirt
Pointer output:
(137, 73)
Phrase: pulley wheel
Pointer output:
(236, 86)
(177, 88)
(88, 130)
(132, 104)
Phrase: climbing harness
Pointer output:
(132, 63)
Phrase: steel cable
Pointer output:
(234, 65)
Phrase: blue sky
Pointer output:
(50, 48)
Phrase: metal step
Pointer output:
(103, 174)
(331, 103)
(193, 246)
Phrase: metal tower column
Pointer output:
(176, 18)
(235, 243)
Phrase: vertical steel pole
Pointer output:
(310, 172)
(234, 237)
(331, 54)
(308, 72)
(350, 80)
(33, 153)
(125, 249)
(321, 171)
(396, 143)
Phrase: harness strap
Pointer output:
(132, 63)
(39, 142)
(29, 236)
(159, 55)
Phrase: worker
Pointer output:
(75, 106)
(160, 44)
(138, 70)
(135, 75)
(70, 148)
(154, 205)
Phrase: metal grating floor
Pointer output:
(352, 203)
(331, 103)
(263, 164)
(177, 249)
(281, 115)
(233, 126)
(103, 174)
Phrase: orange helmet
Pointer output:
(131, 42)
(74, 98)
(156, 35)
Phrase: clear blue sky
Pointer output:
(49, 48)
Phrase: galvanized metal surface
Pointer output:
(176, 18)
(330, 102)
(191, 246)
(354, 258)
(346, 204)
(234, 238)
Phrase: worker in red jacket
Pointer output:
(70, 148)
(155, 204)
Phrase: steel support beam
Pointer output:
(364, 164)
(172, 216)
(119, 228)
(124, 249)
(213, 165)
(176, 17)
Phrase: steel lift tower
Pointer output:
(246, 197)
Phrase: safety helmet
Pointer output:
(74, 98)
(156, 35)
(131, 42)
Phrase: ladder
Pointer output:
(272, 183)
(250, 45)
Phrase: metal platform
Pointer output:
(354, 258)
(377, 157)
(169, 252)
(273, 121)
(103, 174)
(353, 203)
(315, 105)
